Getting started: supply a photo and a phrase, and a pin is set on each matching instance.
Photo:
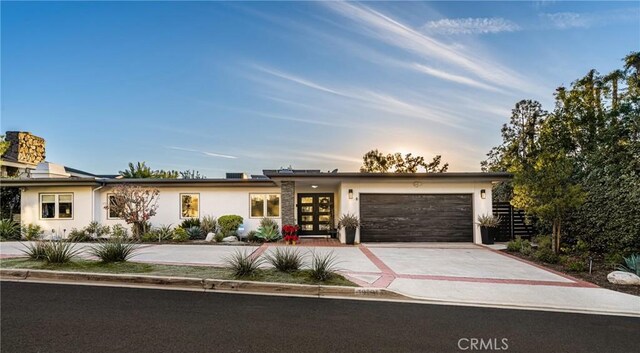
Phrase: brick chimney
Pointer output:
(24, 148)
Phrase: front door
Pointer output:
(315, 214)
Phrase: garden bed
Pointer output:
(598, 274)
(262, 275)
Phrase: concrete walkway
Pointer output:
(451, 273)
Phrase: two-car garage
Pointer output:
(416, 217)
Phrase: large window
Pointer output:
(189, 205)
(265, 205)
(56, 206)
(111, 214)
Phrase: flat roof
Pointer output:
(144, 181)
(357, 175)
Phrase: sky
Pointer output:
(244, 86)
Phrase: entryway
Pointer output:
(315, 213)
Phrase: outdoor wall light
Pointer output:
(350, 194)
(314, 186)
(483, 194)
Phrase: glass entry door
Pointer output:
(315, 214)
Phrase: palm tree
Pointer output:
(632, 61)
(137, 171)
(614, 77)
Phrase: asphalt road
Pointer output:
(71, 318)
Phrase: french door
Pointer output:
(315, 213)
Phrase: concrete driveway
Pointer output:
(447, 273)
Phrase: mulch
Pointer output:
(598, 275)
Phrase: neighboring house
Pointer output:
(392, 207)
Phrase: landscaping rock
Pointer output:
(229, 239)
(621, 277)
(210, 237)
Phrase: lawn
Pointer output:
(262, 275)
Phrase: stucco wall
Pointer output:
(480, 206)
(30, 204)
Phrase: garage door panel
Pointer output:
(416, 217)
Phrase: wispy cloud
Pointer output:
(298, 80)
(210, 154)
(470, 26)
(568, 20)
(563, 20)
(453, 77)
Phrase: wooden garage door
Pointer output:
(416, 217)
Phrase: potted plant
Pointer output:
(350, 223)
(487, 222)
(290, 232)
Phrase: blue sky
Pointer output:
(236, 86)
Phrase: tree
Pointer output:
(191, 174)
(4, 145)
(140, 170)
(376, 162)
(135, 205)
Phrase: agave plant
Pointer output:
(194, 232)
(114, 250)
(632, 264)
(243, 264)
(267, 234)
(9, 230)
(285, 259)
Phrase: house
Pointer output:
(392, 207)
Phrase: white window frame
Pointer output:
(109, 207)
(180, 207)
(56, 205)
(265, 207)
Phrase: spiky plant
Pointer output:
(243, 264)
(285, 259)
(9, 230)
(632, 264)
(323, 266)
(59, 252)
(114, 250)
(35, 250)
(194, 232)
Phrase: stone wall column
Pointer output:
(288, 202)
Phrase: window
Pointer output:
(111, 214)
(56, 206)
(265, 205)
(189, 205)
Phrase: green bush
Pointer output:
(190, 222)
(32, 232)
(113, 250)
(243, 264)
(209, 224)
(96, 229)
(323, 267)
(285, 259)
(219, 236)
(78, 235)
(180, 235)
(59, 252)
(267, 234)
(526, 248)
(194, 232)
(613, 260)
(546, 255)
(515, 245)
(118, 231)
(229, 224)
(251, 236)
(543, 241)
(9, 230)
(574, 264)
(160, 233)
(35, 250)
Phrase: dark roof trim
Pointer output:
(50, 182)
(150, 182)
(391, 176)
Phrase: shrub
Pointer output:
(96, 229)
(323, 266)
(9, 230)
(543, 241)
(631, 264)
(194, 232)
(180, 235)
(32, 232)
(209, 224)
(489, 221)
(613, 260)
(243, 264)
(59, 252)
(515, 245)
(35, 250)
(526, 248)
(251, 236)
(78, 235)
(118, 231)
(546, 255)
(113, 250)
(190, 222)
(285, 259)
(266, 222)
(163, 232)
(219, 236)
(229, 224)
(573, 263)
(349, 221)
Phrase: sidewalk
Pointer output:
(468, 275)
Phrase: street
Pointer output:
(74, 318)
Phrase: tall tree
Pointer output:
(135, 205)
(140, 170)
(375, 161)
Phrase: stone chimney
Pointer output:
(24, 148)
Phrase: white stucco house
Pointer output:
(420, 207)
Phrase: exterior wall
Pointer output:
(480, 206)
(214, 201)
(30, 209)
(288, 202)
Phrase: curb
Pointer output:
(205, 284)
